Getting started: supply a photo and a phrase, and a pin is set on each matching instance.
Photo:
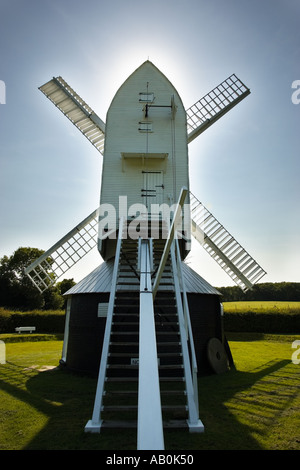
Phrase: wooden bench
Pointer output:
(22, 329)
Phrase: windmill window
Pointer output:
(145, 126)
(146, 97)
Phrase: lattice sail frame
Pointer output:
(62, 256)
(223, 247)
(214, 105)
(200, 115)
(77, 110)
(45, 271)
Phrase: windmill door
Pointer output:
(152, 190)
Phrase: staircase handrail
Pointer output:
(188, 325)
(170, 237)
(194, 423)
(94, 424)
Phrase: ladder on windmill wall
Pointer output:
(223, 247)
(121, 400)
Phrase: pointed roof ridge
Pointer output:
(145, 63)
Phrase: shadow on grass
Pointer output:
(67, 400)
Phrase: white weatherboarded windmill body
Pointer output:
(149, 304)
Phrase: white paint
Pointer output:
(150, 426)
(94, 425)
(129, 152)
(2, 352)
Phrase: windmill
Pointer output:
(144, 144)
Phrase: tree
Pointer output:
(284, 291)
(64, 286)
(17, 290)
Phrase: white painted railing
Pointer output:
(194, 423)
(171, 235)
(188, 325)
(66, 333)
(94, 425)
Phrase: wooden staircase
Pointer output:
(142, 328)
(120, 399)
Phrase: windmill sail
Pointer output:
(214, 105)
(223, 247)
(200, 116)
(79, 113)
(45, 271)
(214, 238)
(205, 227)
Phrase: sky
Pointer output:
(245, 168)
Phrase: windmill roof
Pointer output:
(99, 281)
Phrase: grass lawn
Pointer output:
(256, 406)
(262, 306)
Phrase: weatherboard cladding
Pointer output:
(123, 137)
(99, 281)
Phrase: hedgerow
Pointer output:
(258, 322)
(235, 321)
(45, 321)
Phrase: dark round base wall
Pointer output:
(86, 330)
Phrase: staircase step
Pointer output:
(125, 296)
(172, 379)
(121, 379)
(125, 316)
(122, 343)
(135, 379)
(130, 393)
(167, 424)
(171, 366)
(167, 317)
(170, 354)
(166, 333)
(134, 311)
(118, 407)
(111, 424)
(133, 333)
(135, 366)
(112, 393)
(135, 343)
(124, 303)
(135, 407)
(121, 382)
(165, 310)
(161, 355)
(122, 366)
(120, 354)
